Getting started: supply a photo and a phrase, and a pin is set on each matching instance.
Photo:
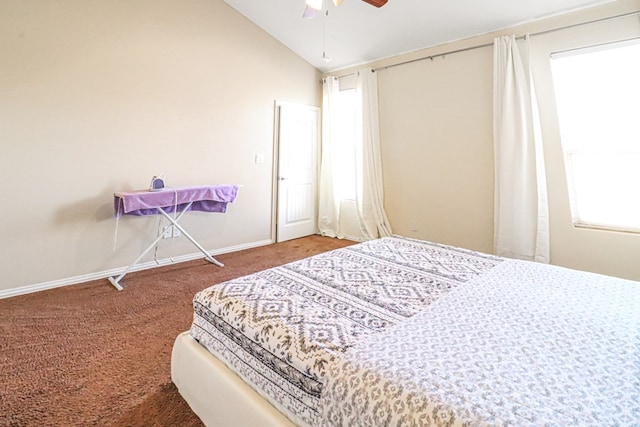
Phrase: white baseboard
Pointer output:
(116, 271)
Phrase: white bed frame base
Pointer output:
(217, 395)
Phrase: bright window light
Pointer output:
(598, 97)
(343, 133)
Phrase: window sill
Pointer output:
(606, 228)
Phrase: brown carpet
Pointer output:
(89, 355)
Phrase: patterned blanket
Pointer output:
(279, 329)
(524, 344)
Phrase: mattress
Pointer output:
(281, 328)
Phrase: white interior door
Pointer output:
(298, 134)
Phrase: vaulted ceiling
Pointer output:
(357, 33)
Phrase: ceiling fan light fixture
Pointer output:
(337, 2)
(312, 8)
(309, 12)
(314, 4)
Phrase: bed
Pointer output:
(398, 331)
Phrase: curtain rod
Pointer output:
(451, 52)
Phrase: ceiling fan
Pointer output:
(313, 7)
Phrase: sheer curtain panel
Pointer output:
(521, 217)
(328, 206)
(369, 192)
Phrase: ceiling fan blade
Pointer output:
(376, 3)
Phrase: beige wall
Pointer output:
(437, 147)
(436, 136)
(97, 97)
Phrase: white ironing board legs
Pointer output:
(188, 236)
(115, 281)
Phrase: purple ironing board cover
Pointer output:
(205, 198)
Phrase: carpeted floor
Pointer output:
(88, 355)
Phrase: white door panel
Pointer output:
(298, 134)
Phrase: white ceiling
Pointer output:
(357, 33)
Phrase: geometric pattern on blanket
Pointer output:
(280, 328)
(525, 344)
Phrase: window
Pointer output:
(344, 149)
(598, 97)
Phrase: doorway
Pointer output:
(297, 136)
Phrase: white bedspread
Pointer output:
(522, 344)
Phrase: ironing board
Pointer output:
(203, 198)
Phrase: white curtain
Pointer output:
(521, 217)
(328, 205)
(367, 167)
(369, 194)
